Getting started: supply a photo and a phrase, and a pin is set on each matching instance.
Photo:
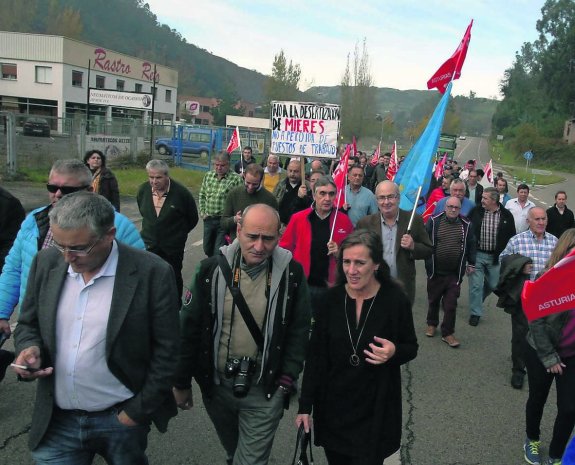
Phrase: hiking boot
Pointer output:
(531, 451)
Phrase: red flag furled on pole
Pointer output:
(451, 69)
(489, 172)
(375, 158)
(234, 141)
(354, 144)
(340, 177)
(553, 292)
(439, 168)
(393, 163)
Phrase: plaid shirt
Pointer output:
(214, 191)
(527, 244)
(489, 226)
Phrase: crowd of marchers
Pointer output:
(294, 277)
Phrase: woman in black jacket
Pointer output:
(363, 333)
(103, 180)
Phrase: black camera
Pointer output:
(241, 369)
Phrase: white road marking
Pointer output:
(195, 244)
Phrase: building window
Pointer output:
(100, 82)
(120, 85)
(9, 71)
(168, 95)
(77, 77)
(138, 87)
(205, 108)
(44, 74)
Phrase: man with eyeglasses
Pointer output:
(400, 247)
(99, 330)
(308, 236)
(454, 250)
(240, 197)
(66, 177)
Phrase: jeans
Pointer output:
(443, 289)
(245, 426)
(75, 438)
(539, 385)
(213, 235)
(482, 281)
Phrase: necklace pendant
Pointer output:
(354, 360)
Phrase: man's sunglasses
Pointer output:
(53, 188)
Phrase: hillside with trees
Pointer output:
(130, 27)
(538, 90)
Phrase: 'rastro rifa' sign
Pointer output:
(305, 129)
(113, 98)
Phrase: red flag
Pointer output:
(439, 167)
(340, 177)
(375, 158)
(234, 141)
(489, 172)
(451, 69)
(553, 292)
(393, 163)
(354, 143)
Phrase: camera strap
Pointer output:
(240, 302)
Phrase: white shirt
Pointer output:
(519, 213)
(82, 377)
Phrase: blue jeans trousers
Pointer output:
(75, 438)
(482, 281)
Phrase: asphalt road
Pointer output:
(459, 407)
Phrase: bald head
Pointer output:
(258, 233)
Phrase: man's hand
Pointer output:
(556, 369)
(125, 419)
(469, 269)
(527, 268)
(302, 191)
(407, 242)
(183, 398)
(332, 248)
(30, 357)
(238, 217)
(5, 327)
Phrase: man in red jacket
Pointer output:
(308, 236)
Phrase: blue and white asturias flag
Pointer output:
(417, 167)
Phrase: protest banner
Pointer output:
(305, 129)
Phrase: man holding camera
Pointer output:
(244, 336)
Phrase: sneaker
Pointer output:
(531, 451)
(552, 461)
(430, 331)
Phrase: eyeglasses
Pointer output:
(382, 198)
(453, 207)
(53, 188)
(80, 251)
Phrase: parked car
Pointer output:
(36, 127)
(195, 141)
(462, 137)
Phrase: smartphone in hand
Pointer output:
(24, 367)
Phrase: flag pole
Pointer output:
(414, 208)
(334, 217)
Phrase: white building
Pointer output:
(51, 76)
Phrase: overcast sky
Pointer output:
(407, 40)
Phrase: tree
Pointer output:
(284, 82)
(227, 106)
(65, 22)
(357, 94)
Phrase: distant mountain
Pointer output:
(130, 27)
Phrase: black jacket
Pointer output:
(505, 230)
(558, 223)
(469, 245)
(478, 193)
(511, 280)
